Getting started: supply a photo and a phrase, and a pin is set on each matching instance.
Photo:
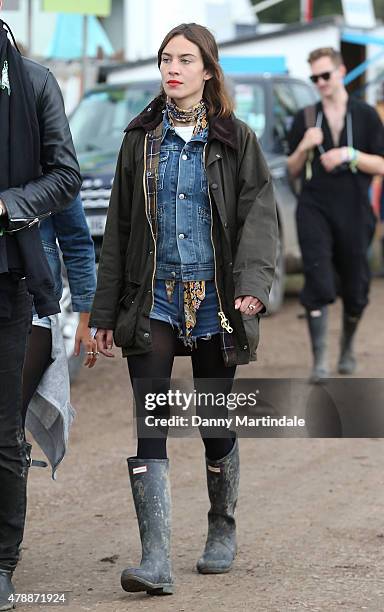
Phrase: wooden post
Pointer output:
(306, 10)
(29, 28)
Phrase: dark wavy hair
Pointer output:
(218, 100)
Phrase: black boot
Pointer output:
(6, 590)
(381, 272)
(347, 360)
(151, 494)
(13, 504)
(223, 484)
(317, 325)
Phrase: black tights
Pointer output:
(207, 362)
(37, 360)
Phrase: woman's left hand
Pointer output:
(83, 336)
(247, 304)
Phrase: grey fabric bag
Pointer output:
(50, 413)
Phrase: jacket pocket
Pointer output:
(251, 325)
(126, 319)
(163, 160)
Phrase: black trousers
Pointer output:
(334, 238)
(14, 460)
(151, 373)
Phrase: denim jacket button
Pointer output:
(173, 274)
(214, 186)
(181, 196)
(184, 157)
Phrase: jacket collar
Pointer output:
(219, 128)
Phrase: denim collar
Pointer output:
(167, 126)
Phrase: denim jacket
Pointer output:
(184, 245)
(70, 230)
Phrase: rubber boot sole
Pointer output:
(347, 368)
(318, 378)
(208, 570)
(7, 606)
(134, 584)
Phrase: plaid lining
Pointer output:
(151, 174)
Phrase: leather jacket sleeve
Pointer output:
(60, 180)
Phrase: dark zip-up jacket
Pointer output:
(244, 235)
(57, 186)
(59, 181)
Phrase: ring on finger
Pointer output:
(251, 307)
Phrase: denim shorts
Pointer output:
(43, 322)
(207, 319)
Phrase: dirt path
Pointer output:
(310, 512)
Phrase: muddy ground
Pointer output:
(310, 512)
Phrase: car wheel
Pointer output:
(276, 296)
(68, 324)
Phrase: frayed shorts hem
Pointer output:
(187, 341)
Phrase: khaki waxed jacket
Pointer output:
(244, 235)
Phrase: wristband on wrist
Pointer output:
(345, 156)
(353, 156)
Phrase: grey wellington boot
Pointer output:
(317, 325)
(223, 484)
(152, 497)
(347, 360)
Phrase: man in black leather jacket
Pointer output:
(60, 179)
(39, 175)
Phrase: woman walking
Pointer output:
(186, 267)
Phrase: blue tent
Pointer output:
(67, 39)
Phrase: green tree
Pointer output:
(288, 11)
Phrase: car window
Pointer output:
(250, 106)
(288, 99)
(284, 109)
(304, 94)
(99, 121)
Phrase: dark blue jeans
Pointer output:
(14, 457)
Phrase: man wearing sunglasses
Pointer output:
(39, 174)
(335, 147)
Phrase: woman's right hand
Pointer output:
(104, 339)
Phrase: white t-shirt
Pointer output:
(184, 131)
